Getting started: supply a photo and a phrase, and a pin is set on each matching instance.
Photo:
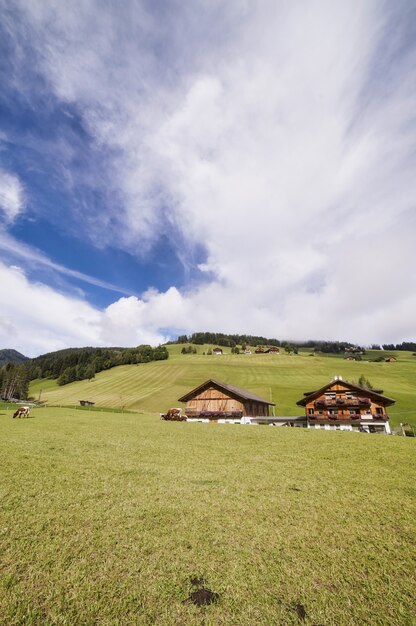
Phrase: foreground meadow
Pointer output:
(108, 518)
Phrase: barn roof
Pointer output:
(376, 394)
(236, 391)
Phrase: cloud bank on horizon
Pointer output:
(270, 147)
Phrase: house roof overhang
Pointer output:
(234, 391)
(371, 393)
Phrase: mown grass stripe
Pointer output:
(156, 386)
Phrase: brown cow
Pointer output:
(174, 415)
(22, 411)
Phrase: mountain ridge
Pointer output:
(9, 355)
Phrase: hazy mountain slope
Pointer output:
(8, 355)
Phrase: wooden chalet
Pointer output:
(217, 351)
(214, 401)
(267, 350)
(341, 405)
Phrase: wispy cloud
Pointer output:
(282, 142)
(12, 196)
(30, 255)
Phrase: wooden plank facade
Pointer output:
(216, 397)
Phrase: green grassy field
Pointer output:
(154, 387)
(106, 518)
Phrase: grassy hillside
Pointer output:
(108, 518)
(154, 387)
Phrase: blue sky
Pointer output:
(240, 167)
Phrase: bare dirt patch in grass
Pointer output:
(204, 597)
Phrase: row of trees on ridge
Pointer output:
(232, 341)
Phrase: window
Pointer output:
(379, 410)
(310, 411)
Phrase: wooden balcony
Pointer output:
(338, 417)
(342, 402)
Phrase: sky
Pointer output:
(236, 166)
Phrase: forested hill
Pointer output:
(9, 355)
(335, 347)
(83, 363)
(230, 341)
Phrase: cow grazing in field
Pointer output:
(174, 415)
(22, 411)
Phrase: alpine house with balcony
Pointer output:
(341, 405)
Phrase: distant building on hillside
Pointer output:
(86, 403)
(217, 351)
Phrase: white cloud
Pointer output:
(283, 143)
(12, 196)
(36, 319)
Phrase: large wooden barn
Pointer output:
(222, 403)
